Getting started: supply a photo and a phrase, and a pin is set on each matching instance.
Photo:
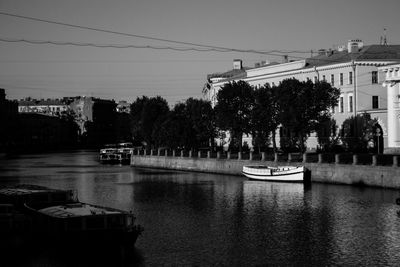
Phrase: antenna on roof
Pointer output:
(383, 38)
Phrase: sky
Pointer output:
(52, 71)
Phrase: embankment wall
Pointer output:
(377, 176)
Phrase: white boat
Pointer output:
(280, 173)
(116, 153)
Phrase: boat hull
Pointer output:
(295, 174)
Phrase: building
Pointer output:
(352, 68)
(392, 84)
(8, 121)
(52, 107)
(123, 107)
(96, 119)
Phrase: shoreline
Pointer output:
(332, 173)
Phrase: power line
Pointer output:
(143, 36)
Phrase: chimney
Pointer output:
(237, 64)
(353, 46)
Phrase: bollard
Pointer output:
(208, 154)
(190, 153)
(251, 155)
(239, 155)
(304, 157)
(289, 157)
(276, 157)
(199, 154)
(228, 156)
(166, 153)
(319, 158)
(173, 153)
(355, 159)
(218, 155)
(151, 152)
(263, 156)
(337, 158)
(181, 153)
(395, 161)
(158, 152)
(374, 160)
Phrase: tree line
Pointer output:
(296, 108)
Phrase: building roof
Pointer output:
(368, 52)
(41, 102)
(228, 74)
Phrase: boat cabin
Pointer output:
(85, 217)
(38, 195)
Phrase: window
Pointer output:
(374, 77)
(350, 103)
(350, 77)
(375, 102)
(341, 78)
(341, 110)
(332, 79)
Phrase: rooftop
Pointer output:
(368, 52)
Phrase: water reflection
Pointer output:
(203, 219)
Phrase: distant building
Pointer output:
(52, 107)
(352, 68)
(123, 107)
(39, 131)
(8, 120)
(96, 119)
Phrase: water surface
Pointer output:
(203, 219)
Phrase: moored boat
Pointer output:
(85, 224)
(39, 214)
(280, 173)
(116, 153)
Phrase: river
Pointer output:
(200, 219)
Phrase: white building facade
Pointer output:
(392, 84)
(353, 70)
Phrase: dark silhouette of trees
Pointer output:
(302, 105)
(233, 111)
(327, 134)
(188, 125)
(147, 116)
(265, 116)
(358, 132)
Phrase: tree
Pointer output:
(358, 139)
(176, 130)
(147, 116)
(189, 125)
(265, 116)
(328, 138)
(201, 115)
(302, 105)
(233, 110)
